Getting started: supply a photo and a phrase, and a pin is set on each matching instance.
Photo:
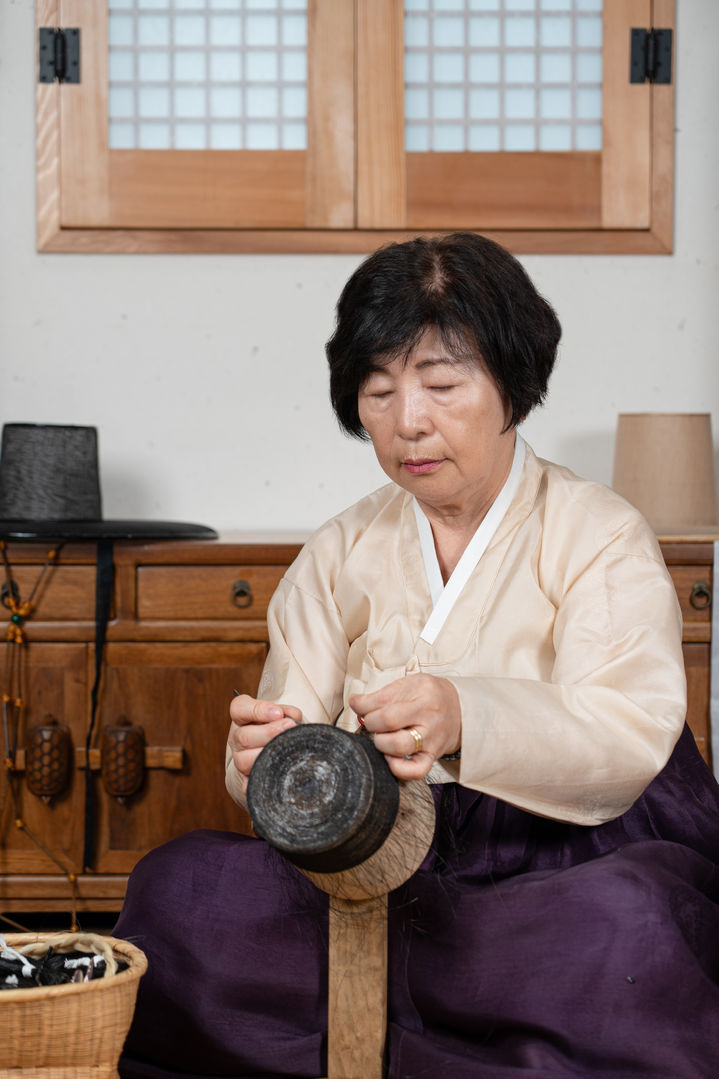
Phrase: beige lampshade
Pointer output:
(664, 465)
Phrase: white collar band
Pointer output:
(444, 596)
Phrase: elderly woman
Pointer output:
(510, 633)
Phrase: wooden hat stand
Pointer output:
(326, 798)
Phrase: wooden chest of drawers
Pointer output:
(187, 628)
(690, 560)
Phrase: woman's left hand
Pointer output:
(418, 702)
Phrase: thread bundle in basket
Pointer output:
(70, 959)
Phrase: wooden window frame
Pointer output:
(619, 200)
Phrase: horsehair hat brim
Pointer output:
(50, 489)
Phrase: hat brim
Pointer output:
(90, 530)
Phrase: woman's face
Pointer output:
(436, 425)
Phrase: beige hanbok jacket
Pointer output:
(564, 645)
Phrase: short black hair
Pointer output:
(471, 290)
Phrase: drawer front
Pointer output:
(694, 589)
(205, 592)
(66, 593)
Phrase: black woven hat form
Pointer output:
(50, 489)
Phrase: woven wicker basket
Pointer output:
(73, 1031)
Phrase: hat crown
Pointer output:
(49, 472)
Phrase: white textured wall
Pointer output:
(206, 374)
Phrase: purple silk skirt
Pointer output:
(522, 947)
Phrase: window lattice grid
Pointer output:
(207, 74)
(489, 75)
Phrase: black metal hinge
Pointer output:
(59, 52)
(651, 56)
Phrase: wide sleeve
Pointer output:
(583, 745)
(309, 672)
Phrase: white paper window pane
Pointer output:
(485, 138)
(448, 30)
(520, 137)
(190, 66)
(416, 104)
(294, 102)
(121, 102)
(555, 30)
(519, 30)
(484, 31)
(190, 102)
(484, 104)
(416, 30)
(153, 30)
(416, 67)
(589, 104)
(557, 67)
(554, 137)
(520, 67)
(294, 136)
(121, 135)
(417, 138)
(190, 136)
(448, 138)
(120, 30)
(262, 66)
(189, 30)
(448, 67)
(226, 102)
(294, 66)
(589, 136)
(262, 137)
(519, 104)
(555, 104)
(153, 67)
(589, 67)
(225, 67)
(154, 137)
(154, 101)
(513, 74)
(262, 30)
(448, 104)
(225, 137)
(294, 30)
(484, 67)
(225, 30)
(222, 73)
(122, 66)
(589, 32)
(262, 102)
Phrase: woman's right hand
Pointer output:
(254, 724)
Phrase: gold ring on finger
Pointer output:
(417, 740)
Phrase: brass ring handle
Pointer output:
(701, 596)
(242, 593)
